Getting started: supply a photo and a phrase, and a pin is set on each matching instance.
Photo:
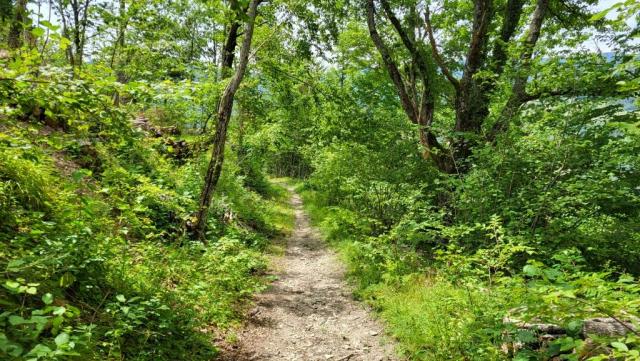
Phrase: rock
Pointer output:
(601, 326)
(607, 327)
(545, 328)
(254, 312)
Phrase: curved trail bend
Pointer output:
(308, 314)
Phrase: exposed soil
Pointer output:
(309, 314)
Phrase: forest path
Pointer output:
(308, 314)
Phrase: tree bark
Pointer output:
(74, 27)
(407, 105)
(472, 93)
(118, 45)
(229, 48)
(419, 106)
(510, 19)
(16, 31)
(436, 54)
(225, 109)
(471, 102)
(518, 90)
(228, 51)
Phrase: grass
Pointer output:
(281, 215)
(433, 319)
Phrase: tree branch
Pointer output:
(408, 43)
(426, 110)
(422, 115)
(477, 48)
(511, 18)
(436, 54)
(518, 91)
(533, 34)
(601, 91)
(407, 105)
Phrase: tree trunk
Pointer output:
(229, 48)
(77, 44)
(418, 105)
(472, 98)
(79, 13)
(471, 103)
(16, 31)
(118, 45)
(518, 90)
(225, 109)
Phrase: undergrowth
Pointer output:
(453, 305)
(96, 261)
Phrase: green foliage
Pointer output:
(436, 320)
(102, 164)
(96, 260)
(25, 335)
(22, 184)
(455, 305)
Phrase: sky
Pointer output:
(602, 5)
(592, 44)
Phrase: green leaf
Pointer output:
(599, 15)
(523, 356)
(47, 298)
(12, 285)
(37, 32)
(13, 265)
(525, 336)
(59, 311)
(575, 326)
(619, 346)
(15, 320)
(39, 350)
(81, 173)
(49, 25)
(62, 339)
(64, 43)
(8, 347)
(67, 280)
(626, 278)
(531, 270)
(567, 344)
(121, 298)
(603, 13)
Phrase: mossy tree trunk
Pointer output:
(16, 30)
(225, 109)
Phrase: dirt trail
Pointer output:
(309, 314)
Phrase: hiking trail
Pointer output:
(309, 313)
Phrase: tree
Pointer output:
(16, 30)
(74, 15)
(229, 47)
(6, 9)
(225, 109)
(482, 67)
(227, 56)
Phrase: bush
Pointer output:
(96, 263)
